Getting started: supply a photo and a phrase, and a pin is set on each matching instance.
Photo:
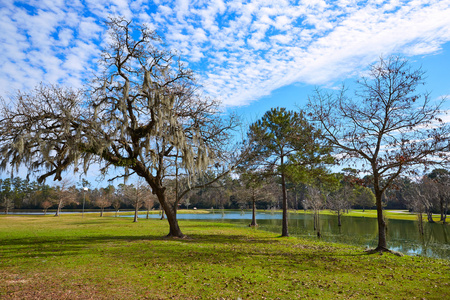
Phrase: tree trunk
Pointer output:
(147, 214)
(171, 213)
(445, 213)
(101, 212)
(284, 229)
(430, 216)
(57, 211)
(339, 218)
(136, 208)
(253, 212)
(314, 218)
(174, 230)
(382, 243)
(317, 213)
(420, 219)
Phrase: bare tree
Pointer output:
(8, 204)
(388, 127)
(256, 188)
(64, 195)
(415, 202)
(149, 202)
(315, 201)
(102, 202)
(136, 194)
(105, 199)
(187, 202)
(340, 201)
(428, 195)
(442, 179)
(46, 205)
(444, 199)
(116, 204)
(421, 197)
(142, 109)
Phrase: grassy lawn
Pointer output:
(44, 257)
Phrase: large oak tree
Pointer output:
(140, 113)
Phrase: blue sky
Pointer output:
(252, 54)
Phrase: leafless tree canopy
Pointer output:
(389, 126)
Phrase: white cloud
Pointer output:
(312, 42)
(242, 50)
(88, 29)
(47, 41)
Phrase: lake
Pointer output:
(402, 235)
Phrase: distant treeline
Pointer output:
(230, 192)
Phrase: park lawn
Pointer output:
(69, 257)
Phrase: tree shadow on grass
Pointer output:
(217, 246)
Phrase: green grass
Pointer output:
(44, 257)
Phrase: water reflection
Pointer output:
(403, 235)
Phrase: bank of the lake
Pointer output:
(403, 233)
(43, 257)
(359, 228)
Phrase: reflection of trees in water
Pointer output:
(405, 237)
(402, 234)
(444, 233)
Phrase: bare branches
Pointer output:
(388, 126)
(141, 108)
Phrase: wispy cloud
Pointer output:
(242, 50)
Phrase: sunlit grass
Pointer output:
(70, 257)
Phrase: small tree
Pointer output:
(64, 195)
(256, 188)
(46, 205)
(365, 197)
(102, 202)
(315, 201)
(116, 204)
(8, 204)
(149, 202)
(135, 195)
(187, 202)
(340, 201)
(389, 127)
(428, 196)
(442, 179)
(415, 202)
